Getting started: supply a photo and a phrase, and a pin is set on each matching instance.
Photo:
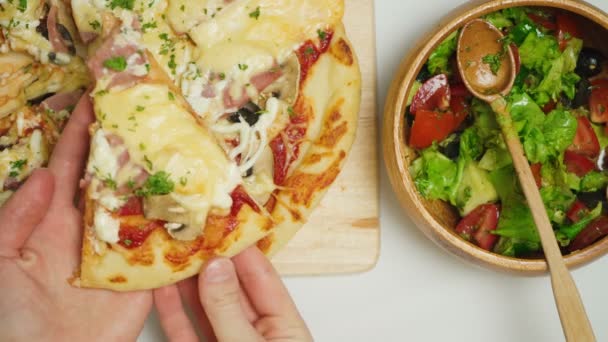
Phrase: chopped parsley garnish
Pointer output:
(171, 96)
(101, 92)
(148, 25)
(126, 4)
(494, 61)
(142, 146)
(109, 182)
(255, 14)
(16, 167)
(157, 184)
(147, 67)
(183, 180)
(167, 44)
(290, 111)
(309, 51)
(95, 24)
(116, 63)
(140, 108)
(172, 65)
(131, 184)
(321, 34)
(22, 5)
(148, 162)
(127, 242)
(243, 66)
(222, 76)
(182, 8)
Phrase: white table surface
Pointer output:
(416, 291)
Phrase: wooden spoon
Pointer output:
(488, 70)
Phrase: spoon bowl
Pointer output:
(485, 60)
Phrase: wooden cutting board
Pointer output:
(343, 234)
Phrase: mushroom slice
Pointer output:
(182, 224)
(286, 87)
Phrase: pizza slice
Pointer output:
(41, 78)
(273, 90)
(161, 195)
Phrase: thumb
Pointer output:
(220, 293)
(24, 210)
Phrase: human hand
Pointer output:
(240, 299)
(40, 239)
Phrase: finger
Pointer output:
(189, 292)
(263, 285)
(220, 294)
(24, 210)
(70, 152)
(173, 318)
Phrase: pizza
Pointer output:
(42, 75)
(219, 125)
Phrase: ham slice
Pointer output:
(229, 102)
(54, 34)
(88, 37)
(61, 101)
(109, 49)
(264, 79)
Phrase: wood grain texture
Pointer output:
(342, 235)
(435, 218)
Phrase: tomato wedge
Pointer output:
(430, 126)
(585, 141)
(542, 21)
(578, 164)
(477, 226)
(567, 27)
(598, 101)
(459, 104)
(536, 173)
(594, 231)
(433, 94)
(133, 206)
(577, 211)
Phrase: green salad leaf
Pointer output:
(435, 175)
(439, 60)
(566, 234)
(593, 181)
(515, 220)
(508, 17)
(557, 201)
(543, 136)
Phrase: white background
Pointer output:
(416, 291)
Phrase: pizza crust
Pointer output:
(160, 261)
(333, 89)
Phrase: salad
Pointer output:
(559, 108)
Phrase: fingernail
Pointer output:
(218, 270)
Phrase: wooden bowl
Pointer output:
(437, 219)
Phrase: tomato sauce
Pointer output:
(308, 54)
(135, 236)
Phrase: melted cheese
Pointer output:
(103, 162)
(279, 28)
(106, 227)
(164, 136)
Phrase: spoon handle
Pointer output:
(572, 313)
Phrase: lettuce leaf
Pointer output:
(557, 201)
(566, 234)
(542, 136)
(439, 60)
(435, 175)
(515, 220)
